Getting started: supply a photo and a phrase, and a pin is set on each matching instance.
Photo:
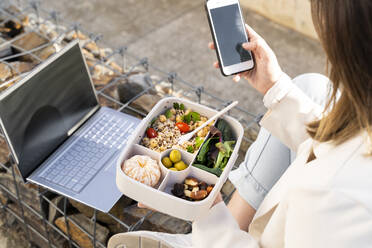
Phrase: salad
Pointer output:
(165, 130)
(217, 149)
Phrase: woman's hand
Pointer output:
(266, 71)
(218, 199)
(141, 205)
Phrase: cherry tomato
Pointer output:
(151, 133)
(183, 127)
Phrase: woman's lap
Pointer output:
(257, 174)
(268, 158)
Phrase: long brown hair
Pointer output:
(345, 30)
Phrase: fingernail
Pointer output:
(236, 78)
(245, 45)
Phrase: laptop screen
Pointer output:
(38, 115)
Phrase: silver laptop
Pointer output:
(58, 134)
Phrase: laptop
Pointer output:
(59, 135)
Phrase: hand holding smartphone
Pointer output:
(228, 32)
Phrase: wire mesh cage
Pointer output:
(29, 35)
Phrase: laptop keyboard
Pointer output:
(81, 162)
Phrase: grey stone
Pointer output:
(76, 232)
(5, 72)
(146, 102)
(30, 41)
(116, 210)
(11, 233)
(5, 48)
(134, 85)
(28, 192)
(140, 79)
(19, 67)
(53, 212)
(15, 231)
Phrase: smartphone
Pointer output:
(229, 33)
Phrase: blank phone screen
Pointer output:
(230, 34)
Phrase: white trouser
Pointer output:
(265, 161)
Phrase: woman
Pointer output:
(267, 158)
(324, 198)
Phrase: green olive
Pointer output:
(180, 165)
(167, 162)
(175, 156)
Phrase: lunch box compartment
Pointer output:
(236, 135)
(186, 157)
(141, 150)
(194, 172)
(168, 104)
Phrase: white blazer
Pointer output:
(324, 203)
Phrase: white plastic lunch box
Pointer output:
(160, 197)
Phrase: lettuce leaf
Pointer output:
(227, 132)
(203, 153)
(226, 148)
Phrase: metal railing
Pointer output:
(129, 63)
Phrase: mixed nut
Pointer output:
(192, 189)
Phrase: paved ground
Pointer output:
(174, 35)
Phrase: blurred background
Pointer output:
(174, 35)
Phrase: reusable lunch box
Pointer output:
(160, 197)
